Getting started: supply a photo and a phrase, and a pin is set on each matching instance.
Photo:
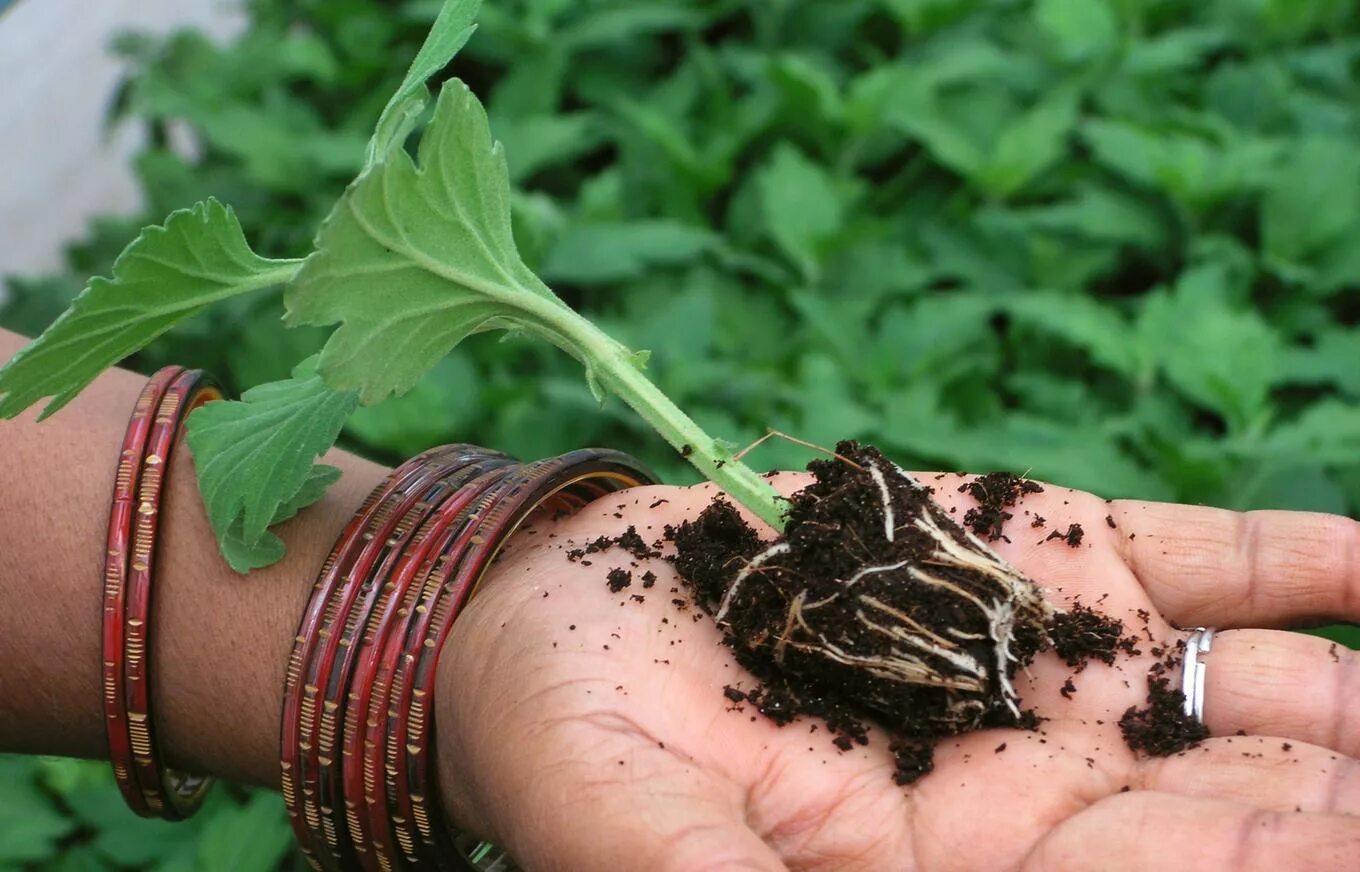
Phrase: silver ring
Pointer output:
(1192, 672)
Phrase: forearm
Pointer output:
(220, 640)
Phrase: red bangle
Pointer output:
(372, 679)
(360, 677)
(318, 820)
(369, 588)
(562, 483)
(149, 788)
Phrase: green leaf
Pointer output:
(29, 824)
(1199, 171)
(1096, 328)
(604, 252)
(802, 208)
(256, 455)
(269, 549)
(1029, 144)
(449, 33)
(1079, 29)
(1333, 358)
(1218, 355)
(533, 142)
(168, 274)
(1327, 432)
(1103, 214)
(1312, 201)
(252, 836)
(413, 259)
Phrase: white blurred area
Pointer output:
(59, 166)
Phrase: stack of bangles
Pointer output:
(356, 762)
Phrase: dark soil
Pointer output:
(1162, 728)
(1081, 634)
(1072, 535)
(874, 605)
(995, 492)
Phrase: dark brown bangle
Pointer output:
(562, 483)
(356, 767)
(322, 842)
(368, 714)
(149, 787)
(335, 677)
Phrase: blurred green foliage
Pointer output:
(1109, 243)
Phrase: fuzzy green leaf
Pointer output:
(169, 273)
(243, 556)
(414, 258)
(255, 457)
(450, 32)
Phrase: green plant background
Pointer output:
(1112, 244)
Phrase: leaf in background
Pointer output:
(30, 825)
(254, 456)
(604, 253)
(1080, 30)
(449, 33)
(808, 89)
(1312, 201)
(436, 410)
(830, 409)
(252, 836)
(170, 273)
(1333, 358)
(1105, 214)
(1097, 328)
(414, 259)
(1221, 356)
(1303, 488)
(1055, 451)
(801, 207)
(1172, 51)
(621, 24)
(1327, 432)
(1029, 144)
(1195, 170)
(533, 142)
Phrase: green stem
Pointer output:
(616, 370)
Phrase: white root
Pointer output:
(751, 565)
(889, 527)
(873, 570)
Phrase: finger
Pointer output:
(1265, 772)
(1275, 683)
(1146, 829)
(1213, 567)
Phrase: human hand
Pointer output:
(584, 730)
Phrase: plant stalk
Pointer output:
(616, 370)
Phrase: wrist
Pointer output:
(222, 639)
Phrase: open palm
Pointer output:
(588, 730)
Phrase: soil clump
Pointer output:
(873, 605)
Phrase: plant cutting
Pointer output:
(919, 622)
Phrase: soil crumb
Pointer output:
(1072, 535)
(1162, 728)
(995, 492)
(1082, 634)
(618, 579)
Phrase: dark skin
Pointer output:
(578, 756)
